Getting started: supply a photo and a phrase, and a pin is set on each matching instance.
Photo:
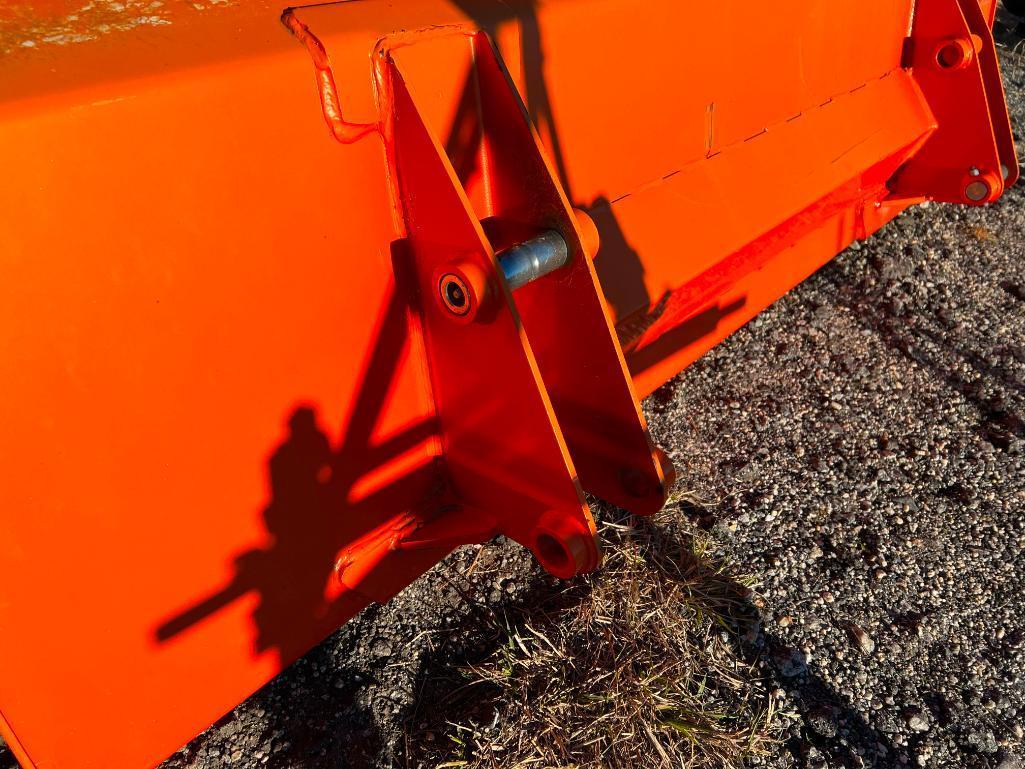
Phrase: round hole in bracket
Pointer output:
(955, 54)
(565, 544)
(552, 554)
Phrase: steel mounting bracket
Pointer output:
(970, 157)
(533, 396)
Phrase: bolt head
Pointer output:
(455, 296)
(461, 290)
(977, 192)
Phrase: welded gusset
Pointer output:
(970, 156)
(564, 313)
(503, 451)
(531, 391)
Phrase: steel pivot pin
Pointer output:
(462, 287)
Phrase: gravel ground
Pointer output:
(862, 448)
(857, 450)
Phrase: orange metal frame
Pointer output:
(238, 407)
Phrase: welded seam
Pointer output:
(754, 137)
(343, 130)
(709, 132)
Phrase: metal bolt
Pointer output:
(977, 191)
(454, 294)
(533, 259)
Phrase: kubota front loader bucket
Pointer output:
(296, 301)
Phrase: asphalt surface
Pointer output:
(859, 448)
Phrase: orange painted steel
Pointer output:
(240, 405)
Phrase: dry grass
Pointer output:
(982, 234)
(639, 665)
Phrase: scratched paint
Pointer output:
(43, 24)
